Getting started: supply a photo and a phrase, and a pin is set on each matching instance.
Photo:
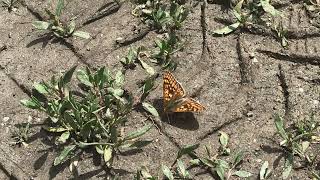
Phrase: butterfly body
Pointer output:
(174, 97)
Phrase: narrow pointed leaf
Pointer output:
(166, 171)
(64, 154)
(187, 149)
(138, 133)
(148, 107)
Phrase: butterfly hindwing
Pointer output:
(172, 89)
(189, 105)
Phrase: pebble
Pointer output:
(316, 102)
(301, 90)
(5, 119)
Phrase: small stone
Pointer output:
(315, 102)
(255, 60)
(251, 55)
(250, 114)
(29, 118)
(5, 119)
(301, 90)
(88, 49)
(259, 160)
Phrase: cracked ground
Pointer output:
(243, 79)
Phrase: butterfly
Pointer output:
(174, 97)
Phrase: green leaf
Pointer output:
(71, 27)
(119, 79)
(148, 107)
(166, 171)
(182, 169)
(41, 88)
(147, 67)
(115, 92)
(70, 120)
(267, 7)
(280, 126)
(238, 7)
(138, 133)
(195, 162)
(107, 154)
(63, 155)
(140, 144)
(208, 162)
(29, 104)
(83, 77)
(221, 168)
(305, 145)
(243, 174)
(41, 25)
(187, 150)
(56, 129)
(81, 34)
(64, 136)
(99, 149)
(238, 158)
(228, 29)
(264, 171)
(288, 166)
(224, 139)
(59, 7)
(66, 78)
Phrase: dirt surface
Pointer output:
(242, 79)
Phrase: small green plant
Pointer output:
(161, 16)
(11, 5)
(281, 33)
(265, 172)
(296, 141)
(21, 135)
(165, 48)
(252, 13)
(92, 119)
(222, 168)
(57, 27)
(137, 56)
(173, 172)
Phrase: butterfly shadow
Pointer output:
(185, 120)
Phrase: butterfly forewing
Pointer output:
(172, 89)
(189, 105)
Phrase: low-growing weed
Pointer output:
(224, 169)
(11, 5)
(297, 141)
(22, 134)
(91, 118)
(281, 34)
(161, 16)
(247, 13)
(173, 172)
(57, 27)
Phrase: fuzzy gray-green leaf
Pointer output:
(148, 107)
(64, 154)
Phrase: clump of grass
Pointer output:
(56, 26)
(296, 142)
(91, 118)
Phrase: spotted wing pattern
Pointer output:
(172, 89)
(189, 105)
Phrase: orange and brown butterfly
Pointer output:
(174, 97)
